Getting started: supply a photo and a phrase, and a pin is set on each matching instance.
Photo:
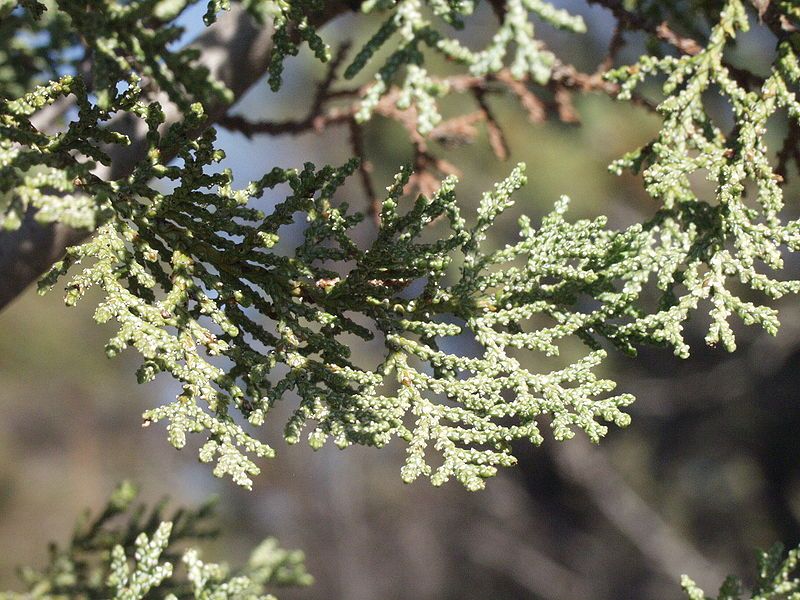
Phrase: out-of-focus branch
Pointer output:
(648, 532)
(526, 565)
(632, 20)
(772, 16)
(510, 536)
(236, 52)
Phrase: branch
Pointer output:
(772, 16)
(634, 21)
(235, 50)
(622, 506)
(530, 568)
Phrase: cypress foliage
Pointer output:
(192, 275)
(129, 551)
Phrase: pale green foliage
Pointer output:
(146, 557)
(196, 284)
(147, 573)
(776, 579)
(465, 339)
(221, 286)
(43, 171)
(702, 244)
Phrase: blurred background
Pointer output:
(706, 473)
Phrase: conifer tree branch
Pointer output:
(188, 273)
(235, 50)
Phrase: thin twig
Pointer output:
(497, 139)
(365, 172)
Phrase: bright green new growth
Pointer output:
(145, 557)
(212, 291)
(776, 579)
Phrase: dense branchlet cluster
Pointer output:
(192, 275)
(130, 552)
(222, 297)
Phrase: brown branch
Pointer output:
(497, 139)
(528, 100)
(365, 171)
(634, 21)
(327, 111)
(562, 98)
(684, 44)
(314, 119)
